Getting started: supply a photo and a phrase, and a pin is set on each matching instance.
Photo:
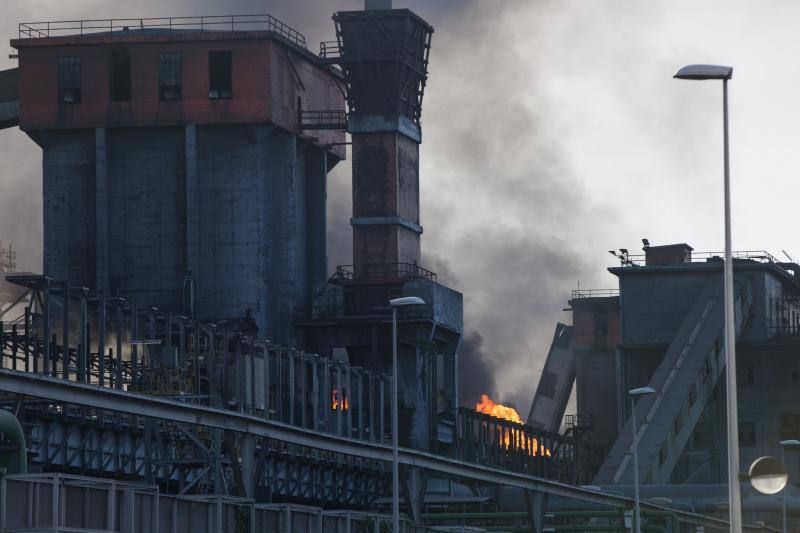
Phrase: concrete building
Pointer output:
(177, 169)
(664, 329)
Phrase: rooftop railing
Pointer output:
(594, 293)
(263, 22)
(387, 271)
(759, 256)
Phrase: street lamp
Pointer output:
(397, 302)
(724, 73)
(792, 443)
(643, 391)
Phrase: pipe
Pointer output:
(11, 428)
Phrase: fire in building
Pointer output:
(186, 362)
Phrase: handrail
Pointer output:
(594, 293)
(260, 22)
(760, 256)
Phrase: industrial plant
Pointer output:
(186, 362)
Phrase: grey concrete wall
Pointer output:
(146, 214)
(68, 167)
(596, 393)
(232, 206)
(285, 185)
(242, 207)
(654, 304)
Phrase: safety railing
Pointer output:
(261, 22)
(759, 256)
(594, 293)
(373, 271)
(334, 119)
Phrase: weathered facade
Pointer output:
(176, 169)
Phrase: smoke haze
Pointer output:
(552, 133)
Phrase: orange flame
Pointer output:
(504, 412)
(335, 400)
(497, 410)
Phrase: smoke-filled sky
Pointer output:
(552, 132)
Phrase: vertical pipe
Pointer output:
(279, 382)
(267, 403)
(382, 393)
(35, 340)
(46, 327)
(251, 357)
(734, 495)
(14, 346)
(339, 398)
(291, 354)
(241, 392)
(395, 455)
(101, 338)
(326, 393)
(118, 328)
(638, 517)
(84, 345)
(315, 392)
(360, 399)
(28, 337)
(65, 334)
(152, 361)
(2, 348)
(347, 396)
(211, 355)
(784, 522)
(134, 347)
(371, 382)
(303, 391)
(224, 378)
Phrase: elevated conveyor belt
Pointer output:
(555, 383)
(684, 381)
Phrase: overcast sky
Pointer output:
(552, 132)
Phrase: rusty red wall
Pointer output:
(596, 324)
(268, 77)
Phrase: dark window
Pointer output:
(219, 75)
(120, 76)
(170, 76)
(69, 80)
(747, 434)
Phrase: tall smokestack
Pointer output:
(384, 57)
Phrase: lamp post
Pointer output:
(397, 302)
(643, 391)
(724, 73)
(792, 443)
